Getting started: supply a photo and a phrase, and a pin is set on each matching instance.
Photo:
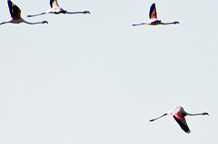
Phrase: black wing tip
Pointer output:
(187, 130)
(152, 6)
(9, 2)
(182, 125)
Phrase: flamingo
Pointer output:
(153, 18)
(16, 15)
(55, 9)
(179, 115)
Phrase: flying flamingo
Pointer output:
(179, 115)
(153, 18)
(55, 9)
(16, 15)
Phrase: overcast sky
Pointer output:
(95, 79)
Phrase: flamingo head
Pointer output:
(205, 113)
(86, 12)
(44, 22)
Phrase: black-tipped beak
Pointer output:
(87, 12)
(45, 22)
(205, 113)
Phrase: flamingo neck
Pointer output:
(175, 22)
(197, 114)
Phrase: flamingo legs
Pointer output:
(23, 21)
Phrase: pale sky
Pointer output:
(95, 79)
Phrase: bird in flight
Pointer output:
(16, 15)
(153, 18)
(179, 115)
(56, 9)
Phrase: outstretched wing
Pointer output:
(14, 10)
(182, 122)
(153, 12)
(54, 3)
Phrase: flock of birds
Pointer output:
(56, 9)
(16, 13)
(178, 112)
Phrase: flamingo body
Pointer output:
(16, 15)
(153, 18)
(179, 115)
(56, 9)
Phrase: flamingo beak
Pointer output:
(45, 22)
(205, 113)
(85, 12)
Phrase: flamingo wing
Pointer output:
(14, 10)
(153, 12)
(54, 3)
(182, 122)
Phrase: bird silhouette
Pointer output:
(16, 15)
(153, 18)
(179, 115)
(56, 9)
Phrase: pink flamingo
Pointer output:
(16, 15)
(179, 115)
(56, 9)
(153, 18)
